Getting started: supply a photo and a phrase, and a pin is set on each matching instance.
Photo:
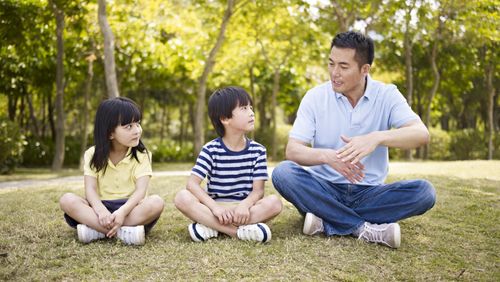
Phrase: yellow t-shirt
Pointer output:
(119, 181)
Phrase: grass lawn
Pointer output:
(459, 239)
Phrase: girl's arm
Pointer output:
(141, 187)
(224, 214)
(95, 202)
(242, 211)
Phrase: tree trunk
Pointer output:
(491, 99)
(109, 46)
(58, 160)
(88, 87)
(34, 123)
(199, 120)
(276, 89)
(409, 78)
(435, 86)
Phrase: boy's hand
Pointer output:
(241, 214)
(223, 214)
(119, 218)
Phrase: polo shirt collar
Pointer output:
(125, 160)
(369, 93)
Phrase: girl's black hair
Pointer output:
(222, 103)
(110, 114)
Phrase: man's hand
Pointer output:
(357, 148)
(352, 172)
(223, 214)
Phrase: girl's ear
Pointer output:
(111, 137)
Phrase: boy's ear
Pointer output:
(224, 120)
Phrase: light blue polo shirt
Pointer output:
(324, 115)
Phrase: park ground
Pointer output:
(459, 239)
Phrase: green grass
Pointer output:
(459, 239)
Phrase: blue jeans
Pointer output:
(345, 207)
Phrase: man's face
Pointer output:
(346, 75)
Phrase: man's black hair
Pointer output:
(354, 40)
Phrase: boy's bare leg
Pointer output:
(145, 212)
(191, 207)
(80, 210)
(265, 209)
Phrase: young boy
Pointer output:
(233, 202)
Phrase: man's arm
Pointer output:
(302, 154)
(411, 135)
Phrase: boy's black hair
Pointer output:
(110, 114)
(365, 50)
(222, 103)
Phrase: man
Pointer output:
(350, 122)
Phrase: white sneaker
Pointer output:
(132, 235)
(259, 232)
(200, 232)
(87, 234)
(312, 225)
(388, 234)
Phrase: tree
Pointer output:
(109, 56)
(199, 120)
(58, 160)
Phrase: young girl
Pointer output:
(116, 176)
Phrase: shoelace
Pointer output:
(372, 234)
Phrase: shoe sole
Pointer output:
(81, 233)
(397, 236)
(194, 234)
(266, 232)
(308, 224)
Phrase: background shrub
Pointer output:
(11, 146)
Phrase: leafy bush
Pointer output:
(468, 144)
(440, 144)
(169, 151)
(11, 145)
(40, 152)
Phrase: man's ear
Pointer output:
(365, 69)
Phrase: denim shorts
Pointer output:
(112, 206)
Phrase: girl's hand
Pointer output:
(105, 218)
(119, 218)
(241, 214)
(223, 214)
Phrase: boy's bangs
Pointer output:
(243, 99)
(129, 113)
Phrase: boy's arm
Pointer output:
(224, 214)
(141, 187)
(92, 197)
(242, 211)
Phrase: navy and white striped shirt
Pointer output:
(230, 175)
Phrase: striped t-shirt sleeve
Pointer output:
(260, 170)
(203, 163)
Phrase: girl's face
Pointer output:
(127, 135)
(243, 119)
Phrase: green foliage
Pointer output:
(468, 144)
(11, 145)
(40, 152)
(170, 151)
(265, 136)
(440, 144)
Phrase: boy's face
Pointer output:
(243, 120)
